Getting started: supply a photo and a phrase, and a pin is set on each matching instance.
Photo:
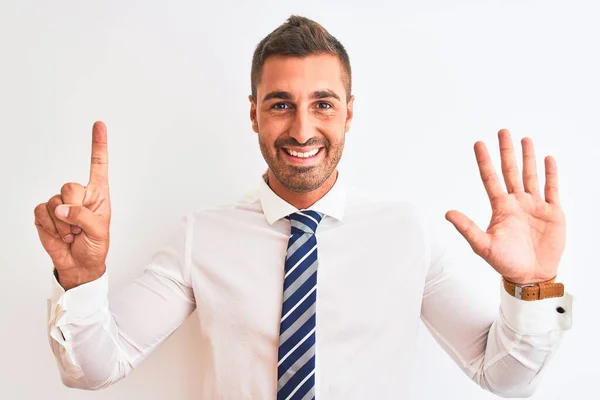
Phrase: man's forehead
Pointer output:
(302, 77)
(313, 65)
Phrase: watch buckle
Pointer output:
(519, 290)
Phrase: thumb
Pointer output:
(478, 240)
(89, 222)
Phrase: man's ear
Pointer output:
(350, 113)
(253, 113)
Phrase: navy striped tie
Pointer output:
(297, 333)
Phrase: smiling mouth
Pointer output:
(307, 154)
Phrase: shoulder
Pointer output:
(245, 207)
(383, 205)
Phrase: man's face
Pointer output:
(301, 115)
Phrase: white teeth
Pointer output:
(302, 155)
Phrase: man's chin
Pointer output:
(301, 189)
(303, 182)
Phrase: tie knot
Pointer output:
(305, 221)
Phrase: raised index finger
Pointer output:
(99, 161)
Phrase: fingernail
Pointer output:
(62, 211)
(68, 238)
(75, 229)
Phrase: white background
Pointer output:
(171, 81)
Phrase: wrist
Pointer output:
(527, 282)
(70, 281)
(534, 291)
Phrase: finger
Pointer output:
(92, 224)
(510, 170)
(44, 221)
(63, 228)
(54, 246)
(73, 193)
(46, 237)
(487, 172)
(551, 186)
(99, 161)
(530, 177)
(478, 240)
(96, 198)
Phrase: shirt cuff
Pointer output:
(81, 301)
(538, 316)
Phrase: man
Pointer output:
(251, 269)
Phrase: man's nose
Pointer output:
(302, 128)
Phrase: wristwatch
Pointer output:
(534, 291)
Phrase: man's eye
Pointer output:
(325, 106)
(280, 106)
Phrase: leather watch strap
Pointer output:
(534, 291)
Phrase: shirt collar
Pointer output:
(333, 204)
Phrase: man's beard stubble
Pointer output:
(302, 179)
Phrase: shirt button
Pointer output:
(560, 310)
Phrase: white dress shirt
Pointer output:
(380, 272)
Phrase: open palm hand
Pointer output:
(525, 238)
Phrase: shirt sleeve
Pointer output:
(503, 349)
(98, 340)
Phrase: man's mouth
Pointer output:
(303, 154)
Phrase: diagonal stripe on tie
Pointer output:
(296, 339)
(297, 334)
(297, 379)
(296, 245)
(298, 297)
(297, 322)
(298, 278)
(308, 250)
(297, 312)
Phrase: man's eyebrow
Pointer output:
(318, 94)
(325, 94)
(278, 94)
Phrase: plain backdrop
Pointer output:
(171, 80)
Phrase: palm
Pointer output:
(87, 250)
(84, 250)
(525, 238)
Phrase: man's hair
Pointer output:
(299, 37)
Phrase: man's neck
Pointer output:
(300, 200)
